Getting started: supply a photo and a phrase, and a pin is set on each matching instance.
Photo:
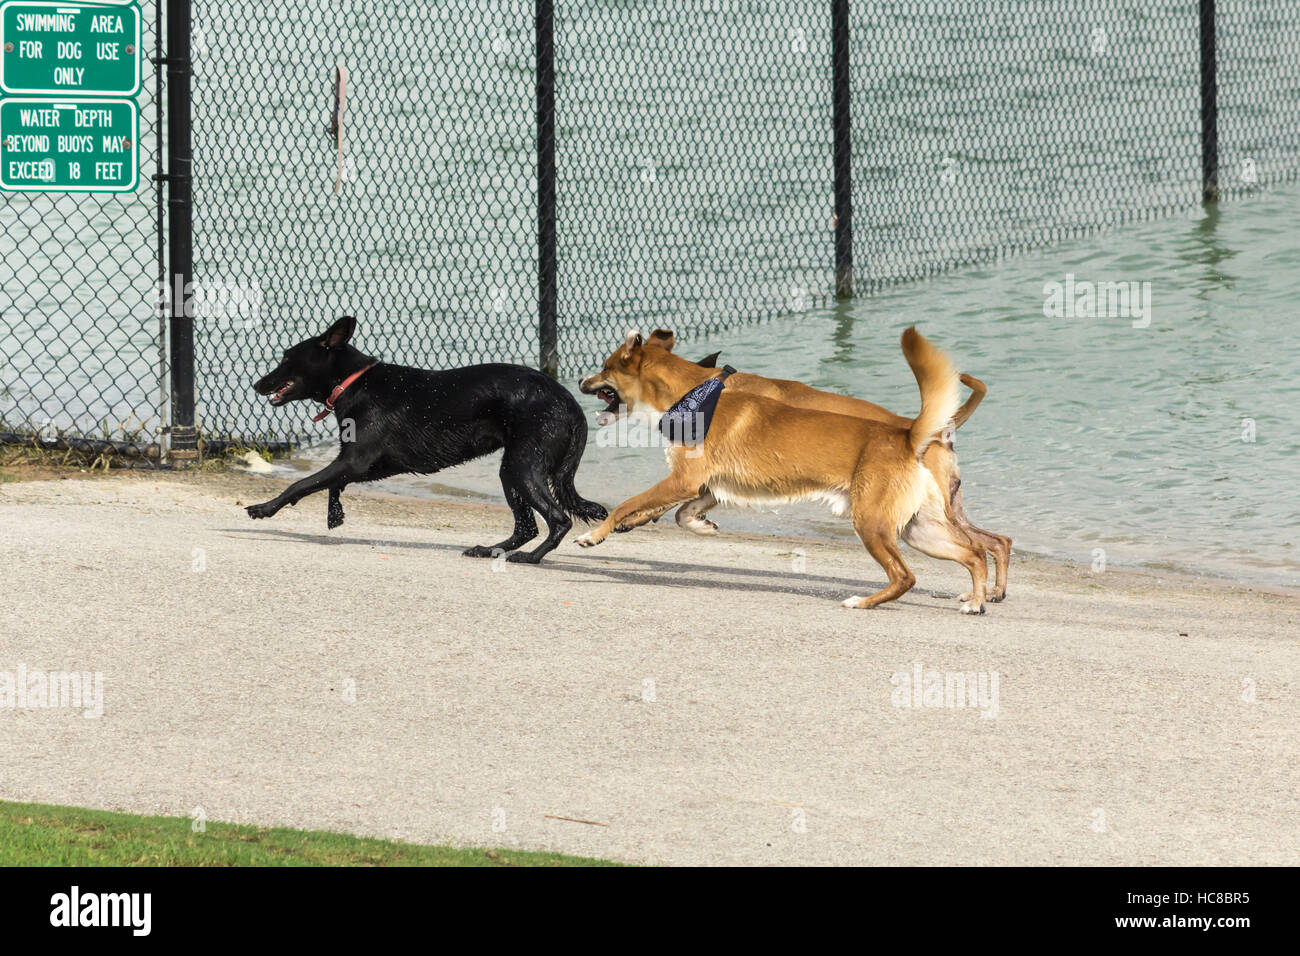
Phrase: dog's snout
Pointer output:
(272, 380)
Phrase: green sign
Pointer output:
(62, 49)
(82, 146)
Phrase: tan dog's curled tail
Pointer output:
(978, 391)
(939, 384)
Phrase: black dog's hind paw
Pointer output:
(264, 510)
(334, 516)
(481, 551)
(523, 557)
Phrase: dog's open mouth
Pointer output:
(612, 402)
(278, 397)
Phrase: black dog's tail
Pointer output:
(565, 493)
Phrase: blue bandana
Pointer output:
(687, 422)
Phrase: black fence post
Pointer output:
(548, 349)
(843, 148)
(180, 242)
(1209, 108)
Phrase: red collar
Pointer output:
(339, 389)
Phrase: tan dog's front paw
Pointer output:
(591, 539)
(857, 602)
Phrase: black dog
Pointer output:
(394, 420)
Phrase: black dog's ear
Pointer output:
(340, 332)
(709, 361)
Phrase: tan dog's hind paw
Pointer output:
(700, 526)
(857, 602)
(969, 608)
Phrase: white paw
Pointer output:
(969, 608)
(855, 602)
(585, 541)
(701, 526)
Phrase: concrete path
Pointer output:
(664, 698)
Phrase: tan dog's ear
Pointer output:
(663, 338)
(709, 361)
(632, 343)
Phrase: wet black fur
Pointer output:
(415, 420)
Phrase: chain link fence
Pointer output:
(1259, 95)
(430, 239)
(694, 167)
(694, 176)
(984, 131)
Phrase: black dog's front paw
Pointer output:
(481, 551)
(264, 510)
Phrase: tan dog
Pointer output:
(761, 451)
(674, 376)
